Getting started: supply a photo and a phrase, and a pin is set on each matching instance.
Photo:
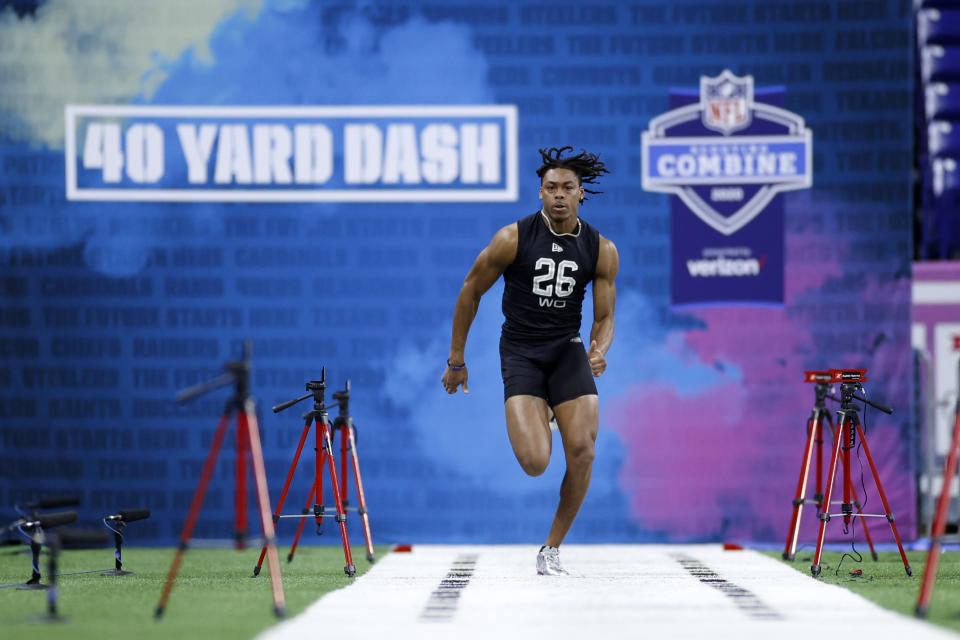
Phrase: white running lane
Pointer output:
(614, 591)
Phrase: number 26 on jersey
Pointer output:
(552, 279)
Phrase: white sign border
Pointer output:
(509, 193)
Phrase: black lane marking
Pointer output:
(743, 598)
(444, 600)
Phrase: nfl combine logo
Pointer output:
(726, 152)
(683, 155)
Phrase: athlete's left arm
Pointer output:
(604, 300)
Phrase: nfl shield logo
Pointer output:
(726, 102)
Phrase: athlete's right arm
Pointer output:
(488, 267)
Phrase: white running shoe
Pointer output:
(548, 562)
(553, 421)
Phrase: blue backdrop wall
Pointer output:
(122, 283)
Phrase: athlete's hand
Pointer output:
(598, 364)
(452, 379)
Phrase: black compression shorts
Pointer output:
(555, 371)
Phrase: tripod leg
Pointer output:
(847, 507)
(35, 548)
(303, 521)
(34, 580)
(350, 569)
(825, 514)
(883, 499)
(344, 429)
(52, 592)
(939, 524)
(195, 505)
(321, 452)
(361, 498)
(248, 422)
(283, 494)
(790, 548)
(241, 526)
(118, 550)
(818, 496)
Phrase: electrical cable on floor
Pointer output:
(859, 557)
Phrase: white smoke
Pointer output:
(467, 432)
(96, 51)
(463, 432)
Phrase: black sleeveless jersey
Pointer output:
(544, 287)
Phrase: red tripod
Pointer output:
(324, 454)
(939, 520)
(845, 440)
(248, 435)
(821, 380)
(348, 444)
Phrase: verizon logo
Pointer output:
(724, 267)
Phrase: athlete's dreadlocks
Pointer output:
(587, 166)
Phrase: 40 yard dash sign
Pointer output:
(725, 154)
(386, 153)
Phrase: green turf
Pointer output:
(214, 596)
(886, 583)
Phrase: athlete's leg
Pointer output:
(529, 432)
(578, 420)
